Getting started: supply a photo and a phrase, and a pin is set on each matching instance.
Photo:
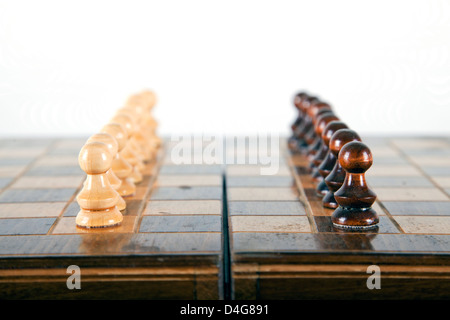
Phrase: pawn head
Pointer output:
(298, 99)
(330, 129)
(107, 139)
(340, 138)
(149, 97)
(95, 158)
(126, 120)
(307, 103)
(117, 131)
(355, 157)
(317, 107)
(322, 120)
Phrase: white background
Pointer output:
(224, 67)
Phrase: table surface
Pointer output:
(225, 231)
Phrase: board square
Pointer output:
(22, 152)
(55, 171)
(5, 181)
(191, 169)
(443, 182)
(411, 243)
(266, 208)
(266, 223)
(187, 193)
(181, 223)
(270, 242)
(410, 194)
(37, 195)
(25, 226)
(393, 170)
(15, 161)
(262, 194)
(56, 160)
(188, 180)
(430, 161)
(437, 170)
(259, 181)
(188, 207)
(31, 209)
(424, 224)
(434, 208)
(392, 181)
(258, 170)
(71, 209)
(39, 182)
(12, 170)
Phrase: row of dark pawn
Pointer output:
(338, 160)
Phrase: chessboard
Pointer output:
(224, 231)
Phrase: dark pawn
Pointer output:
(336, 177)
(317, 158)
(329, 161)
(298, 99)
(303, 128)
(294, 142)
(355, 199)
(314, 111)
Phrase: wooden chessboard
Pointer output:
(212, 231)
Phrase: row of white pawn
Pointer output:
(114, 159)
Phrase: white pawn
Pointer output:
(121, 167)
(113, 147)
(98, 199)
(129, 152)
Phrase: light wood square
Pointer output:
(427, 225)
(28, 210)
(410, 194)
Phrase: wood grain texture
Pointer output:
(170, 245)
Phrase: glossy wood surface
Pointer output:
(282, 242)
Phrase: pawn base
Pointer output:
(121, 204)
(98, 218)
(355, 218)
(136, 175)
(127, 188)
(316, 175)
(329, 201)
(321, 189)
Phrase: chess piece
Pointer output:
(321, 121)
(314, 111)
(113, 147)
(299, 97)
(147, 99)
(329, 160)
(302, 130)
(121, 167)
(336, 177)
(97, 199)
(355, 199)
(129, 152)
(139, 136)
(294, 141)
